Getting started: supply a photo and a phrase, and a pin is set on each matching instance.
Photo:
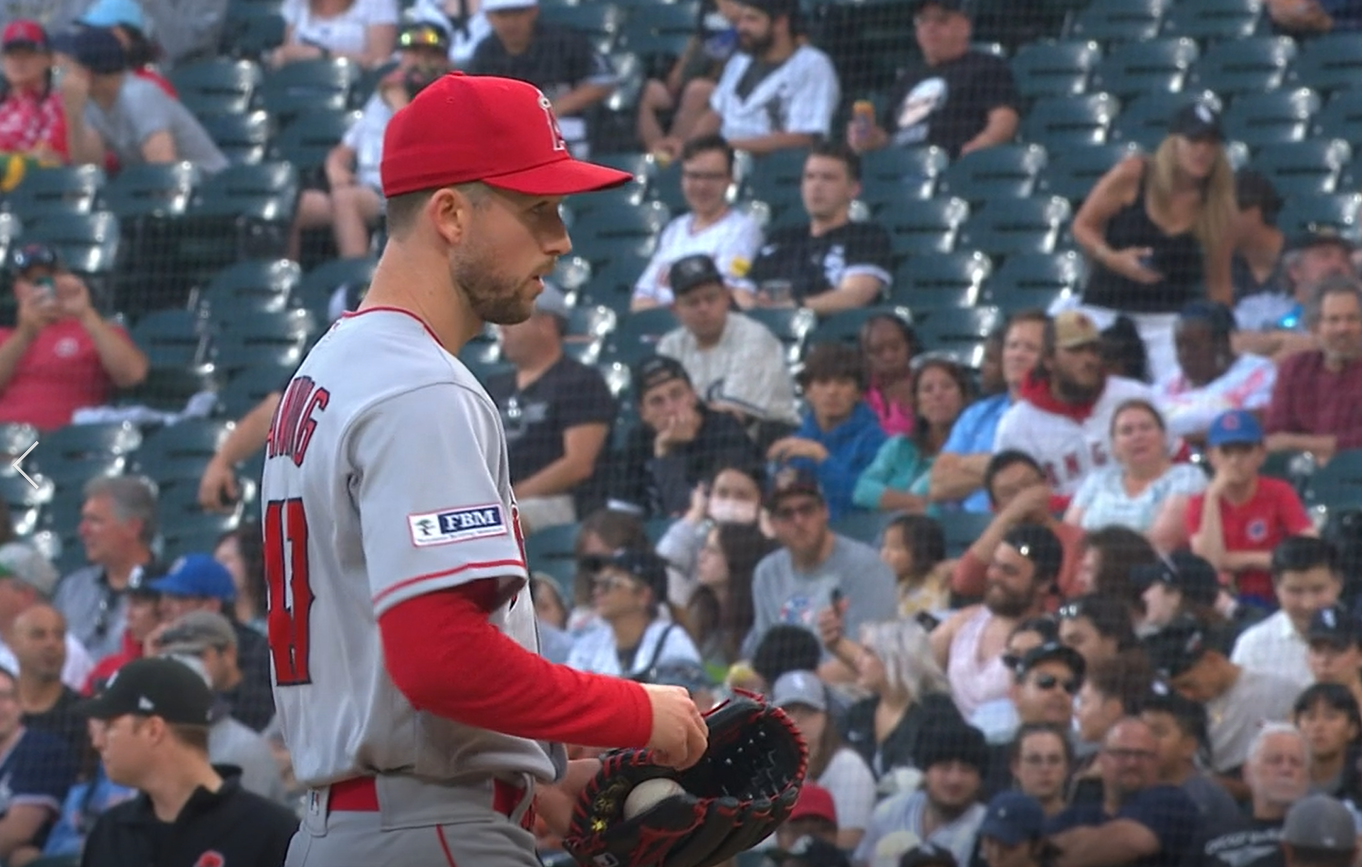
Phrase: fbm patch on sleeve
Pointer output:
(456, 525)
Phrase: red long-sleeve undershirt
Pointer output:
(448, 659)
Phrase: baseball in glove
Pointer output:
(741, 789)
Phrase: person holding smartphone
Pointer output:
(61, 355)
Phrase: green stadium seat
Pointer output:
(1214, 20)
(1332, 62)
(242, 138)
(640, 165)
(783, 167)
(1004, 227)
(56, 192)
(1028, 281)
(1314, 166)
(311, 135)
(255, 285)
(642, 221)
(1074, 175)
(1305, 213)
(791, 326)
(198, 438)
(218, 86)
(1006, 171)
(650, 44)
(77, 471)
(593, 321)
(250, 33)
(319, 284)
(88, 244)
(1341, 116)
(169, 388)
(241, 212)
(247, 388)
(1253, 65)
(308, 85)
(78, 441)
(962, 528)
(190, 534)
(895, 173)
(1055, 68)
(921, 277)
(1111, 21)
(290, 327)
(151, 190)
(636, 335)
(1155, 66)
(845, 326)
(1062, 122)
(925, 227)
(617, 266)
(1259, 119)
(864, 527)
(940, 329)
(631, 195)
(172, 337)
(599, 21)
(1144, 121)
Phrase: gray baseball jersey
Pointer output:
(385, 478)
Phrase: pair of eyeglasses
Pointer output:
(421, 37)
(1048, 682)
(608, 584)
(34, 256)
(1070, 611)
(792, 512)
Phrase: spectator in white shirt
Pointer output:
(778, 91)
(711, 226)
(362, 30)
(1306, 579)
(735, 363)
(26, 580)
(1211, 377)
(628, 593)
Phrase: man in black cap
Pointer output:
(1335, 654)
(1272, 321)
(108, 110)
(955, 97)
(680, 442)
(777, 92)
(1238, 701)
(151, 730)
(735, 362)
(945, 810)
(557, 413)
(1046, 679)
(1172, 581)
(628, 593)
(61, 355)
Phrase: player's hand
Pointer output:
(1128, 263)
(679, 732)
(218, 489)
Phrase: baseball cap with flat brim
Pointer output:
(502, 132)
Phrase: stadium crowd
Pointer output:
(1057, 599)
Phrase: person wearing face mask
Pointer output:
(732, 495)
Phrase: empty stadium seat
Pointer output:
(241, 212)
(1155, 66)
(1074, 174)
(598, 21)
(309, 85)
(255, 285)
(247, 387)
(289, 327)
(169, 388)
(897, 172)
(790, 325)
(959, 330)
(311, 135)
(250, 33)
(1055, 68)
(195, 533)
(1258, 119)
(56, 192)
(172, 337)
(146, 190)
(1120, 20)
(1214, 20)
(1063, 122)
(1253, 65)
(636, 335)
(921, 278)
(242, 138)
(1036, 280)
(73, 454)
(1007, 226)
(318, 285)
(86, 243)
(845, 326)
(1330, 62)
(1305, 213)
(929, 226)
(221, 86)
(1314, 166)
(1006, 171)
(1341, 116)
(1144, 121)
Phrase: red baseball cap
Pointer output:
(465, 128)
(29, 34)
(814, 802)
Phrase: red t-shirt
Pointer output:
(58, 374)
(1269, 516)
(28, 120)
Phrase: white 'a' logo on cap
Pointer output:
(555, 134)
(144, 703)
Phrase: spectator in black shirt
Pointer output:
(557, 413)
(151, 731)
(832, 264)
(39, 645)
(1278, 775)
(559, 61)
(680, 443)
(956, 98)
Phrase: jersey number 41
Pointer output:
(290, 590)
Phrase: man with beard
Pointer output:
(411, 695)
(1063, 419)
(1138, 821)
(945, 811)
(777, 92)
(969, 646)
(1314, 404)
(1278, 775)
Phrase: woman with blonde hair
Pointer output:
(1159, 232)
(908, 691)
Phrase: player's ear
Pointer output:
(450, 212)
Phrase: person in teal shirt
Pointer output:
(840, 433)
(898, 479)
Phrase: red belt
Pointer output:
(359, 795)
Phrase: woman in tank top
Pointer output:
(1159, 232)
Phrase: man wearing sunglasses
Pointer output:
(61, 355)
(347, 196)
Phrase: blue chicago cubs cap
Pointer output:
(1235, 427)
(199, 576)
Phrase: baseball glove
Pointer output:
(741, 789)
